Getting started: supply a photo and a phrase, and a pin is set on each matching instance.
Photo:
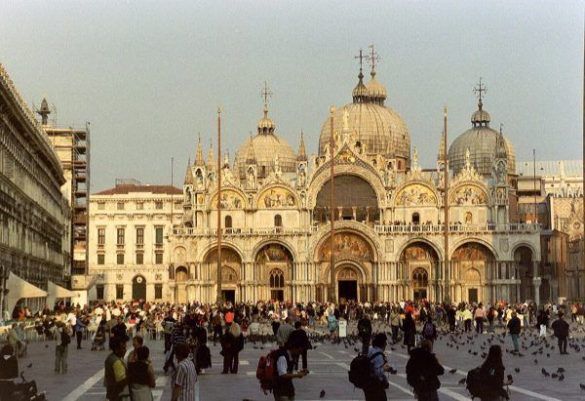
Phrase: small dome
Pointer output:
(376, 91)
(480, 117)
(481, 142)
(265, 148)
(265, 124)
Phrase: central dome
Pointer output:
(375, 125)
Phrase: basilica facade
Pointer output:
(360, 220)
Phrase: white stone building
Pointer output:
(129, 249)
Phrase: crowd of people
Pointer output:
(186, 329)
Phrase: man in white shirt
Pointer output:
(284, 389)
(184, 383)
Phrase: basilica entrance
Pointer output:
(420, 282)
(418, 262)
(347, 284)
(138, 288)
(229, 295)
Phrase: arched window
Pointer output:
(420, 278)
(228, 222)
(277, 285)
(278, 221)
(415, 218)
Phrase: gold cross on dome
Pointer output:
(265, 93)
(373, 57)
(480, 89)
(360, 56)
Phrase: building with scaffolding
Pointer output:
(72, 146)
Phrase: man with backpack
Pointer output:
(422, 371)
(375, 388)
(429, 331)
(364, 327)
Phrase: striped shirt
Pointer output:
(186, 378)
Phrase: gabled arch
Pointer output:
(224, 244)
(480, 241)
(415, 193)
(287, 196)
(347, 226)
(230, 193)
(470, 193)
(289, 247)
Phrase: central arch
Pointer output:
(348, 280)
(473, 264)
(355, 199)
(275, 264)
(231, 264)
(419, 264)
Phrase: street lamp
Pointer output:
(4, 273)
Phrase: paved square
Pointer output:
(328, 365)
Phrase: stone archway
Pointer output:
(181, 277)
(275, 262)
(472, 265)
(524, 260)
(419, 263)
(231, 265)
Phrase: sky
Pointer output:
(149, 75)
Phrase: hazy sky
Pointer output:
(150, 75)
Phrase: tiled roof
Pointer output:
(128, 188)
(570, 168)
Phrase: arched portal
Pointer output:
(419, 263)
(524, 272)
(348, 283)
(355, 199)
(231, 264)
(472, 264)
(275, 262)
(139, 288)
(181, 277)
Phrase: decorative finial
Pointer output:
(373, 58)
(480, 90)
(265, 93)
(44, 111)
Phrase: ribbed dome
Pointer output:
(263, 148)
(481, 117)
(481, 142)
(376, 91)
(379, 128)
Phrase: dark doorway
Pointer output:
(420, 293)
(229, 295)
(138, 288)
(472, 295)
(277, 295)
(348, 290)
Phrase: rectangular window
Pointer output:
(119, 291)
(139, 205)
(158, 291)
(101, 236)
(158, 231)
(140, 235)
(139, 258)
(101, 205)
(100, 291)
(120, 236)
(158, 258)
(101, 259)
(120, 206)
(120, 259)
(158, 205)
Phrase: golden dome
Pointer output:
(376, 126)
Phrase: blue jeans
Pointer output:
(515, 342)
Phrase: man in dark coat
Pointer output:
(422, 371)
(364, 327)
(299, 336)
(561, 331)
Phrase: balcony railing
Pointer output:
(239, 231)
(456, 228)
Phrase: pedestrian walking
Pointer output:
(116, 372)
(364, 327)
(514, 327)
(141, 375)
(299, 336)
(492, 376)
(561, 331)
(423, 371)
(409, 329)
(79, 328)
(186, 377)
(375, 389)
(284, 389)
(61, 349)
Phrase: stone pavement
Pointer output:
(328, 365)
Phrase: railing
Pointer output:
(239, 231)
(456, 228)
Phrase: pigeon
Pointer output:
(536, 361)
(462, 381)
(561, 377)
(29, 365)
(517, 370)
(561, 370)
(544, 372)
(322, 394)
(554, 375)
(453, 371)
(582, 386)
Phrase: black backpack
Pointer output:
(360, 370)
(65, 339)
(474, 382)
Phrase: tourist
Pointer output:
(283, 332)
(492, 376)
(8, 370)
(299, 336)
(99, 338)
(542, 321)
(395, 323)
(137, 342)
(409, 329)
(79, 328)
(429, 331)
(186, 377)
(62, 347)
(422, 371)
(479, 316)
(115, 371)
(364, 328)
(141, 375)
(375, 390)
(284, 389)
(561, 332)
(514, 328)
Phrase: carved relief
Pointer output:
(273, 253)
(345, 156)
(468, 195)
(417, 253)
(346, 246)
(472, 252)
(416, 195)
(347, 274)
(229, 200)
(228, 275)
(277, 197)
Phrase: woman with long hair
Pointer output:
(492, 373)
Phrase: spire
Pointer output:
(360, 92)
(44, 111)
(188, 174)
(302, 156)
(210, 157)
(373, 58)
(251, 156)
(479, 90)
(266, 125)
(501, 151)
(441, 155)
(376, 92)
(199, 153)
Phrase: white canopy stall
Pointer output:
(20, 289)
(56, 292)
